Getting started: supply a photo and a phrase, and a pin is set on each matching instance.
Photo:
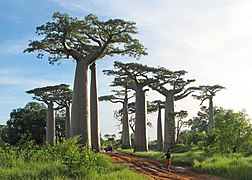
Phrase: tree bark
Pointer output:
(210, 115)
(126, 143)
(80, 124)
(50, 124)
(68, 121)
(95, 139)
(140, 127)
(159, 131)
(169, 134)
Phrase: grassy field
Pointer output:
(229, 167)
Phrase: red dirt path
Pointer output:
(157, 170)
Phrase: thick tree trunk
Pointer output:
(50, 124)
(140, 128)
(68, 121)
(169, 134)
(159, 132)
(210, 115)
(95, 139)
(126, 143)
(80, 123)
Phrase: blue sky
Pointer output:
(210, 39)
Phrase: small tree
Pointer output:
(180, 123)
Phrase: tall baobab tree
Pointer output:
(176, 90)
(131, 70)
(85, 41)
(49, 95)
(207, 93)
(121, 97)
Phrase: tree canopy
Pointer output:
(26, 123)
(67, 37)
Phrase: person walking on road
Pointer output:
(167, 156)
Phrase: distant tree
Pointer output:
(198, 127)
(49, 95)
(157, 105)
(60, 127)
(132, 111)
(131, 70)
(113, 136)
(207, 93)
(86, 41)
(106, 136)
(173, 86)
(232, 132)
(121, 97)
(180, 122)
(199, 122)
(26, 123)
(64, 99)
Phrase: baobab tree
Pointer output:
(176, 90)
(64, 100)
(158, 105)
(85, 41)
(49, 95)
(131, 70)
(180, 116)
(132, 111)
(207, 93)
(121, 97)
(157, 78)
(94, 120)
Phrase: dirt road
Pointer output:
(157, 170)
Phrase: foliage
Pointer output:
(60, 120)
(234, 166)
(230, 167)
(199, 123)
(66, 160)
(26, 123)
(192, 138)
(207, 92)
(61, 94)
(67, 37)
(231, 133)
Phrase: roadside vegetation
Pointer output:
(66, 160)
(233, 166)
(225, 151)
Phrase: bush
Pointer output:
(66, 160)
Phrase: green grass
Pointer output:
(181, 159)
(234, 167)
(237, 167)
(63, 161)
